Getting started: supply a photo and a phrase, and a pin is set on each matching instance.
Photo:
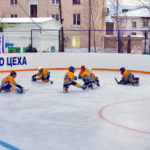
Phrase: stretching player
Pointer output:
(8, 83)
(127, 77)
(93, 77)
(69, 79)
(43, 74)
(84, 74)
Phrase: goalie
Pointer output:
(128, 77)
(8, 84)
(43, 74)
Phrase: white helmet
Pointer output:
(89, 69)
(40, 67)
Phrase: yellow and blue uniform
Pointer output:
(85, 76)
(82, 73)
(93, 78)
(69, 80)
(8, 84)
(43, 75)
(126, 75)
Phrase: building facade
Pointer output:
(77, 15)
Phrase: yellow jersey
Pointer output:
(69, 77)
(84, 73)
(92, 75)
(126, 74)
(43, 73)
(9, 79)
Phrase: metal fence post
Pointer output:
(31, 40)
(89, 48)
(145, 42)
(59, 41)
(118, 41)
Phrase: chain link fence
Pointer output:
(94, 41)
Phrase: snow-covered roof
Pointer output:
(26, 20)
(141, 12)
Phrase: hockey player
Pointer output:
(43, 74)
(94, 79)
(8, 83)
(69, 79)
(85, 76)
(82, 70)
(128, 77)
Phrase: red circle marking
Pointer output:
(118, 125)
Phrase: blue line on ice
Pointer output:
(8, 146)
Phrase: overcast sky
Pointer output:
(129, 2)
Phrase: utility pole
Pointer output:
(90, 11)
(62, 31)
(117, 9)
(117, 5)
(90, 14)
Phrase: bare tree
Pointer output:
(119, 22)
(94, 19)
(145, 3)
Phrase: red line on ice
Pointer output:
(114, 123)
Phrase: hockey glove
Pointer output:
(79, 76)
(75, 78)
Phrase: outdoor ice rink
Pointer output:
(111, 117)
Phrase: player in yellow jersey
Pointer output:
(43, 74)
(93, 77)
(69, 79)
(128, 77)
(8, 83)
(82, 71)
(85, 76)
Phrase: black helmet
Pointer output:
(13, 73)
(122, 69)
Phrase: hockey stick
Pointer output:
(51, 82)
(24, 90)
(116, 80)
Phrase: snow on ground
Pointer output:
(111, 117)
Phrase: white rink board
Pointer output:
(63, 60)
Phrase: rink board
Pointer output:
(61, 61)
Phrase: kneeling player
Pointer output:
(85, 76)
(69, 79)
(43, 75)
(128, 77)
(8, 83)
(93, 77)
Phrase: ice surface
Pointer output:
(111, 117)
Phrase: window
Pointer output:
(76, 2)
(133, 33)
(125, 10)
(55, 2)
(55, 16)
(13, 15)
(145, 24)
(76, 19)
(13, 2)
(133, 24)
(76, 41)
(33, 10)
